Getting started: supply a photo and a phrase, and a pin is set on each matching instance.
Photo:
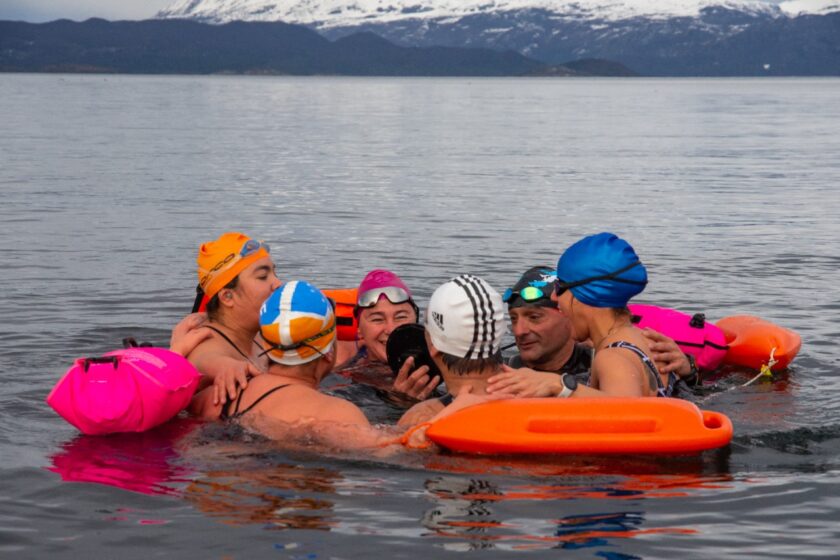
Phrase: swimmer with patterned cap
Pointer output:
(299, 323)
(298, 328)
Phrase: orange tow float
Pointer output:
(583, 426)
(753, 342)
(346, 321)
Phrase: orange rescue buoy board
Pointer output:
(648, 425)
(752, 339)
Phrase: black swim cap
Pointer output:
(533, 289)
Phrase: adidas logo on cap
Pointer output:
(468, 319)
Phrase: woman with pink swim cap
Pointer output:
(383, 303)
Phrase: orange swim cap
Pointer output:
(220, 261)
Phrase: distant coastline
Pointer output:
(253, 48)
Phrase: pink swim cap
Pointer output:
(381, 283)
(381, 278)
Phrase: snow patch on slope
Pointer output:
(331, 13)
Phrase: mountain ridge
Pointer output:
(653, 37)
(331, 13)
(190, 47)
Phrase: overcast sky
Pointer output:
(48, 10)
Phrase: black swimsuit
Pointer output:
(232, 343)
(661, 390)
(578, 364)
(226, 413)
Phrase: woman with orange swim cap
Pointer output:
(236, 274)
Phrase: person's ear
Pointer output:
(225, 296)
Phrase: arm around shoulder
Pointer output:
(421, 412)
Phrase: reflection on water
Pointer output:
(147, 462)
(276, 496)
(470, 513)
(238, 480)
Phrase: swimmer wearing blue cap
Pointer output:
(596, 278)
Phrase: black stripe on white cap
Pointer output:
(482, 303)
(460, 281)
(487, 324)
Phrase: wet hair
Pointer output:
(619, 312)
(463, 366)
(213, 305)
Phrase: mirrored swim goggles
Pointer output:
(393, 294)
(561, 286)
(252, 246)
(371, 297)
(528, 293)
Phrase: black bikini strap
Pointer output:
(226, 407)
(229, 341)
(256, 402)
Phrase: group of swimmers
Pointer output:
(264, 346)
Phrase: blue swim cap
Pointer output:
(602, 270)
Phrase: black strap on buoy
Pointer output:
(100, 360)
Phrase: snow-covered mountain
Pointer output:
(346, 13)
(651, 37)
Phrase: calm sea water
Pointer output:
(727, 189)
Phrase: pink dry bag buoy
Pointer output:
(694, 335)
(129, 390)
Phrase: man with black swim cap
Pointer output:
(543, 334)
(544, 337)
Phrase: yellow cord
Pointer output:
(766, 369)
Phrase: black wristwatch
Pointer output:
(693, 363)
(693, 375)
(570, 384)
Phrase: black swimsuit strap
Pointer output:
(651, 367)
(237, 413)
(229, 341)
(226, 407)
